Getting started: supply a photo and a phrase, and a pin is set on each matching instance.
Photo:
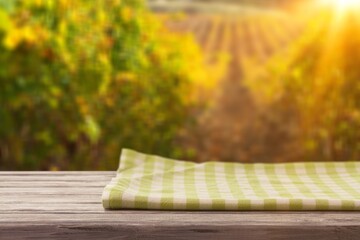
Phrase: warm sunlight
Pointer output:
(347, 3)
(343, 4)
(341, 26)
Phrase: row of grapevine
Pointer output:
(262, 35)
(228, 130)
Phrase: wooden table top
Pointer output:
(67, 205)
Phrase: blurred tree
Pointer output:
(82, 79)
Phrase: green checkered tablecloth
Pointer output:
(153, 182)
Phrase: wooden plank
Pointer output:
(45, 195)
(138, 227)
(55, 178)
(152, 231)
(52, 207)
(47, 184)
(271, 218)
(68, 206)
(55, 190)
(54, 173)
(59, 188)
(58, 199)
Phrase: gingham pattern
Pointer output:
(152, 182)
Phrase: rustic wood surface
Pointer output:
(67, 205)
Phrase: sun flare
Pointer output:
(344, 4)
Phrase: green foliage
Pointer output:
(82, 79)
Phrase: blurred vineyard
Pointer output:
(291, 89)
(232, 127)
(82, 79)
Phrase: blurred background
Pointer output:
(199, 80)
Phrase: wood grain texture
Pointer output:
(67, 205)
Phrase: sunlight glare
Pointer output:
(347, 3)
(343, 4)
